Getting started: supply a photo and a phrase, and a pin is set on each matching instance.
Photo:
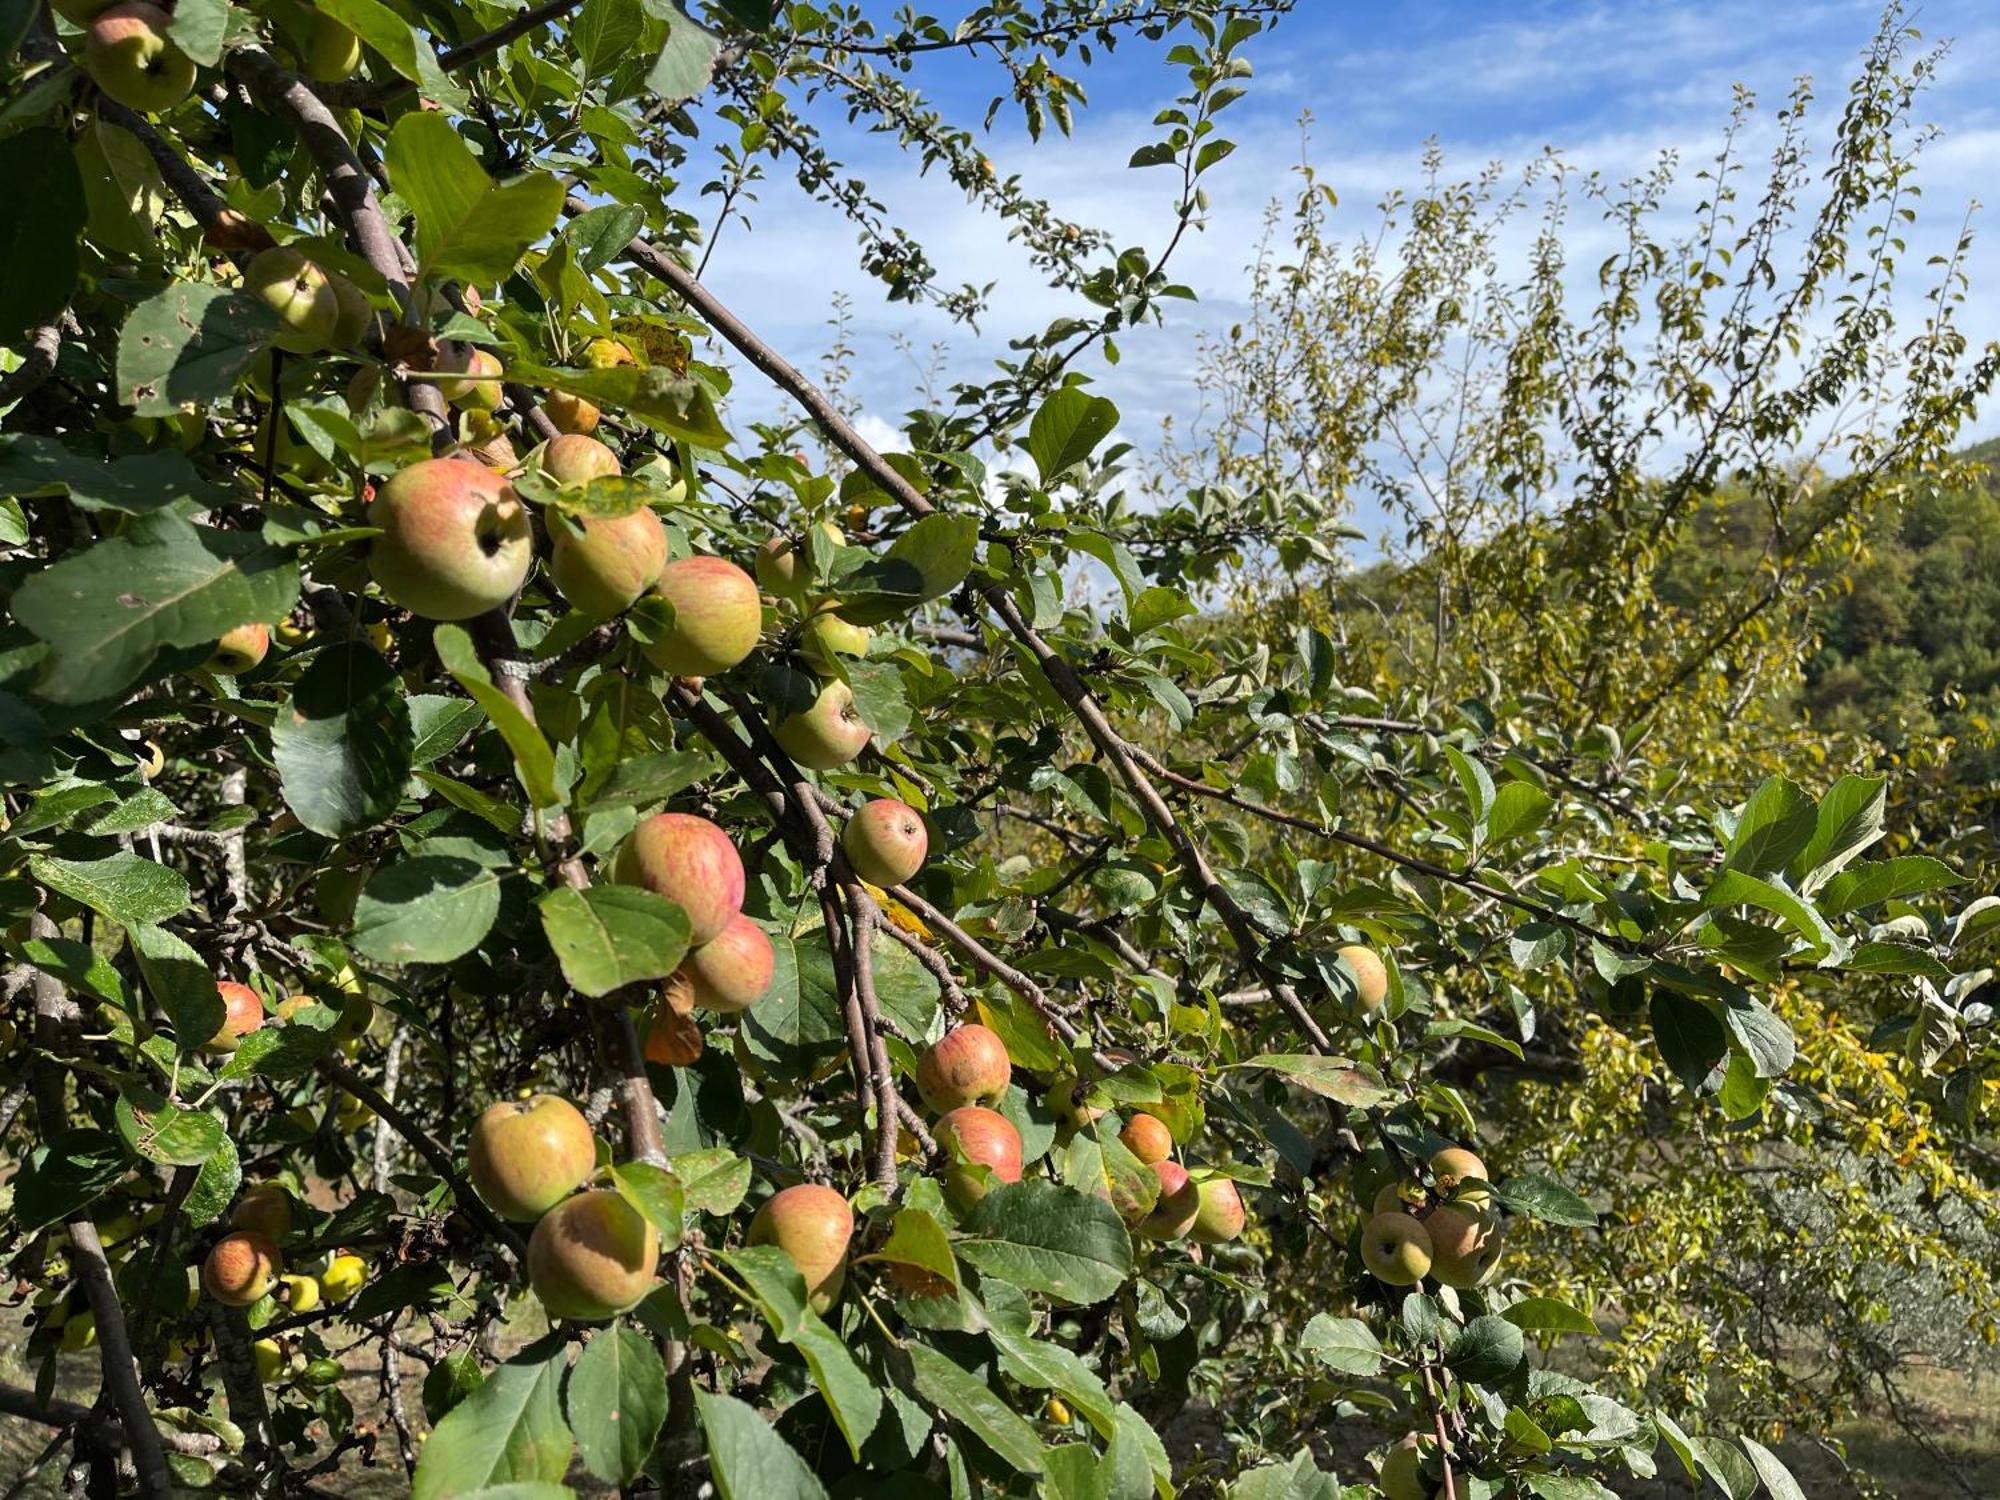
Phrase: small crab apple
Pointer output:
(456, 540)
(977, 1137)
(592, 1257)
(885, 842)
(1396, 1249)
(239, 650)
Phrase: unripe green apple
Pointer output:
(974, 1137)
(1177, 1207)
(1401, 1474)
(356, 313)
(1371, 977)
(604, 571)
(456, 540)
(811, 1224)
(718, 617)
(269, 1357)
(1147, 1137)
(1455, 1165)
(885, 842)
(328, 51)
(242, 1013)
(592, 1256)
(967, 1065)
(824, 635)
(343, 1277)
(690, 861)
(605, 354)
(239, 650)
(827, 735)
(241, 1268)
(1065, 1100)
(1465, 1244)
(732, 970)
(782, 566)
(472, 394)
(127, 54)
(525, 1157)
(1396, 1249)
(300, 293)
(1220, 1218)
(266, 1209)
(571, 413)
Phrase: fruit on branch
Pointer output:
(571, 413)
(575, 459)
(456, 540)
(1220, 1217)
(975, 1137)
(592, 1256)
(1396, 1249)
(239, 650)
(242, 1013)
(298, 293)
(1176, 1209)
(1465, 1244)
(79, 1331)
(356, 312)
(885, 842)
(1371, 976)
(241, 1268)
(603, 569)
(732, 970)
(1401, 1475)
(689, 861)
(1396, 1198)
(266, 1209)
(527, 1155)
(783, 567)
(328, 51)
(269, 1357)
(357, 1011)
(302, 1293)
(1147, 1137)
(343, 1277)
(484, 441)
(1065, 1101)
(718, 617)
(604, 354)
(824, 635)
(812, 1224)
(967, 1065)
(480, 390)
(827, 735)
(127, 54)
(1455, 1165)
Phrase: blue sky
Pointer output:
(1608, 83)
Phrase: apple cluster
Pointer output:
(1447, 1230)
(246, 1269)
(128, 51)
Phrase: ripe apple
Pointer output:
(571, 413)
(975, 1137)
(343, 1277)
(456, 540)
(885, 842)
(356, 313)
(241, 1268)
(1465, 1244)
(575, 459)
(604, 571)
(717, 617)
(1401, 1474)
(127, 55)
(1177, 1207)
(239, 650)
(688, 860)
(828, 735)
(811, 1224)
(732, 970)
(1371, 977)
(1454, 1165)
(782, 566)
(481, 390)
(1396, 1249)
(603, 354)
(328, 51)
(302, 1293)
(825, 634)
(967, 1065)
(299, 292)
(1147, 1137)
(1220, 1218)
(266, 1209)
(242, 1013)
(526, 1156)
(592, 1256)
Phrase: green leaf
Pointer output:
(187, 346)
(617, 1401)
(1771, 1469)
(344, 745)
(609, 936)
(1050, 1367)
(129, 890)
(429, 908)
(1356, 1085)
(40, 250)
(1885, 880)
(1547, 1315)
(1775, 825)
(1485, 1351)
(1067, 429)
(400, 43)
(508, 1431)
(1343, 1344)
(65, 1176)
(534, 761)
(1849, 819)
(603, 32)
(1567, 1487)
(974, 1405)
(926, 562)
(1690, 1036)
(676, 405)
(748, 1459)
(468, 226)
(1896, 958)
(656, 1193)
(713, 1181)
(106, 611)
(1519, 807)
(1733, 888)
(1733, 1473)
(450, 1381)
(197, 27)
(1043, 1237)
(439, 725)
(780, 1293)
(1545, 1199)
(163, 1132)
(181, 983)
(687, 62)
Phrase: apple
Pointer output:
(302, 1293)
(1465, 1244)
(1220, 1217)
(127, 55)
(885, 842)
(526, 1156)
(603, 354)
(1396, 1249)
(242, 1013)
(79, 1331)
(603, 571)
(239, 650)
(732, 970)
(1065, 1102)
(592, 1256)
(356, 313)
(1391, 1198)
(967, 1065)
(825, 635)
(827, 735)
(1454, 1165)
(328, 51)
(266, 1209)
(717, 617)
(811, 1224)
(299, 293)
(343, 1277)
(1371, 976)
(269, 1357)
(1178, 1206)
(571, 413)
(483, 440)
(241, 1268)
(972, 1137)
(782, 566)
(1401, 1476)
(690, 861)
(1147, 1137)
(456, 540)
(480, 391)
(575, 459)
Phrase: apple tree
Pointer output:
(556, 941)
